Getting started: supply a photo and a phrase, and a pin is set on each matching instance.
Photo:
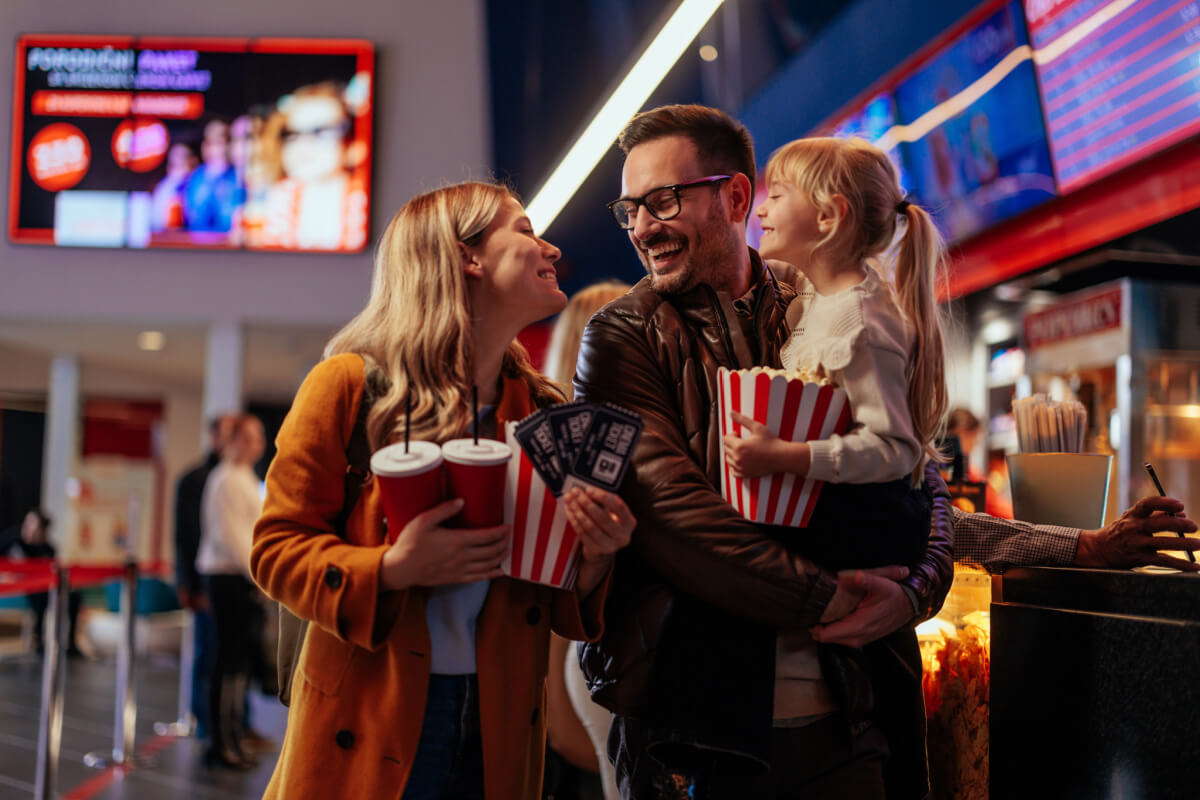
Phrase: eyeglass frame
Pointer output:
(641, 201)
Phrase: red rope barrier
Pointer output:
(26, 566)
(32, 585)
(37, 574)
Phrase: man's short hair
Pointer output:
(724, 144)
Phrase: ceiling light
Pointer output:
(151, 340)
(653, 65)
(708, 53)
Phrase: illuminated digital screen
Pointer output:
(170, 142)
(1119, 80)
(873, 122)
(975, 146)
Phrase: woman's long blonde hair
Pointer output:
(824, 167)
(417, 324)
(565, 339)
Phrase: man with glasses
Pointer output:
(706, 660)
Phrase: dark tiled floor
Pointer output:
(174, 771)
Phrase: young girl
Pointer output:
(832, 209)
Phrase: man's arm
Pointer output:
(1127, 541)
(686, 531)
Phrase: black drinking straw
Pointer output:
(1162, 493)
(407, 419)
(475, 411)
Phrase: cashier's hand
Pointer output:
(604, 524)
(1129, 540)
(867, 605)
(427, 554)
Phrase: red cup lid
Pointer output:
(488, 452)
(393, 462)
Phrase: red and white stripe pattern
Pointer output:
(795, 411)
(545, 548)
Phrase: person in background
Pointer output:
(211, 193)
(422, 674)
(577, 725)
(166, 200)
(965, 425)
(30, 540)
(320, 202)
(229, 508)
(189, 586)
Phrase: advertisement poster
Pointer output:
(110, 513)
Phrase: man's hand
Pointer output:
(192, 601)
(867, 605)
(1129, 540)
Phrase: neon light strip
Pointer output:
(653, 65)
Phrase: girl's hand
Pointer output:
(426, 554)
(604, 524)
(760, 453)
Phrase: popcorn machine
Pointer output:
(1129, 350)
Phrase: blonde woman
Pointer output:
(578, 726)
(833, 209)
(423, 669)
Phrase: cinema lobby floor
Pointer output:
(174, 766)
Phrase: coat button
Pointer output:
(533, 615)
(344, 739)
(333, 577)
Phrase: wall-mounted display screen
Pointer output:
(973, 142)
(1119, 80)
(875, 122)
(170, 142)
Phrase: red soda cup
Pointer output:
(476, 472)
(409, 482)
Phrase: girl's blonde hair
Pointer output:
(417, 323)
(824, 168)
(568, 329)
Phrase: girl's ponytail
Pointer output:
(920, 268)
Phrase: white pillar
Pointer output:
(223, 370)
(61, 448)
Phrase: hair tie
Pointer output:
(902, 207)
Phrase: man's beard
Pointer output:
(707, 255)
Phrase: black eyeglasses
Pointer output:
(662, 203)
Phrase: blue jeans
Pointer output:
(449, 760)
(204, 636)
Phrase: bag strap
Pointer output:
(358, 449)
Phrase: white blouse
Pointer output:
(861, 340)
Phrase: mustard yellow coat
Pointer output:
(358, 698)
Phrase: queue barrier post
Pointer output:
(185, 723)
(125, 716)
(50, 715)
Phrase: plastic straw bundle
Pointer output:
(1046, 426)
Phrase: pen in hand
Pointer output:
(1162, 493)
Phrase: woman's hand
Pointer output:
(426, 554)
(604, 524)
(762, 452)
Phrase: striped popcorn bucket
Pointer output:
(545, 548)
(794, 410)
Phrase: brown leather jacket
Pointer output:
(692, 555)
